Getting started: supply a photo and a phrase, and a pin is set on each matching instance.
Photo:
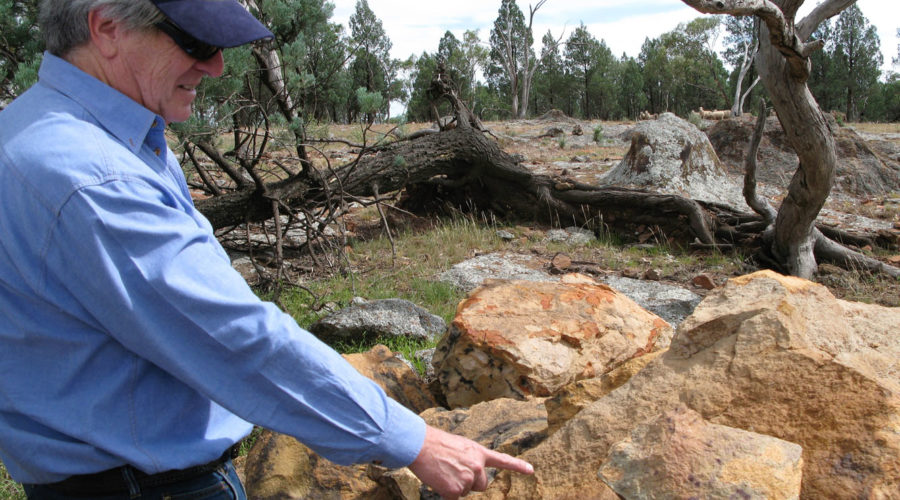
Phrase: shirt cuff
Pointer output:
(403, 437)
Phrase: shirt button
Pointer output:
(156, 151)
(154, 124)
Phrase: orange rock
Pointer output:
(518, 339)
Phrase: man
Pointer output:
(133, 355)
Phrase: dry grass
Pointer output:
(876, 128)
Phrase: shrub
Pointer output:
(598, 134)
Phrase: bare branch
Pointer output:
(823, 11)
(756, 202)
(782, 33)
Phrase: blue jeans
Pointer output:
(222, 484)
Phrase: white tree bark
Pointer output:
(737, 109)
(529, 63)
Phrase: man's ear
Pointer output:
(106, 33)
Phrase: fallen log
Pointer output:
(464, 169)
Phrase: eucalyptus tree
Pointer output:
(897, 59)
(791, 241)
(419, 108)
(856, 56)
(682, 72)
(550, 83)
(512, 58)
(581, 54)
(507, 50)
(632, 99)
(371, 66)
(698, 75)
(20, 47)
(474, 56)
(741, 45)
(450, 52)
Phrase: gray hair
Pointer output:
(64, 23)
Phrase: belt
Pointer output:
(113, 481)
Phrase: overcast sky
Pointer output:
(416, 26)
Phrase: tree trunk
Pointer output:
(783, 65)
(812, 139)
(737, 109)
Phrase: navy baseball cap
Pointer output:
(221, 23)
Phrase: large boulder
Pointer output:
(517, 339)
(863, 168)
(679, 455)
(672, 156)
(505, 425)
(575, 396)
(769, 354)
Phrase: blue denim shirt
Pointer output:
(125, 334)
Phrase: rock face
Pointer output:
(765, 353)
(574, 397)
(472, 273)
(517, 339)
(280, 468)
(679, 455)
(506, 425)
(669, 155)
(670, 303)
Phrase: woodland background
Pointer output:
(344, 74)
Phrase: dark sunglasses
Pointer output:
(194, 48)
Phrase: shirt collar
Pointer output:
(124, 118)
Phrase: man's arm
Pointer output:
(453, 465)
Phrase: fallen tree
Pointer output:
(464, 167)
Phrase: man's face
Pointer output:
(160, 75)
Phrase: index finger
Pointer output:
(504, 461)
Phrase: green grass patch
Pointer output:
(9, 489)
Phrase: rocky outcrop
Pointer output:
(863, 168)
(472, 273)
(518, 339)
(769, 379)
(764, 353)
(280, 467)
(669, 155)
(679, 455)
